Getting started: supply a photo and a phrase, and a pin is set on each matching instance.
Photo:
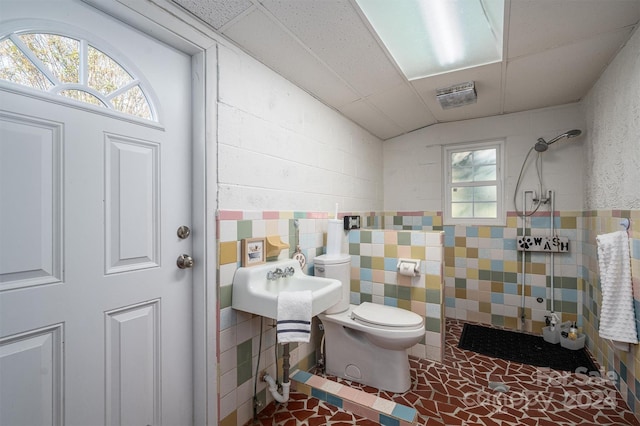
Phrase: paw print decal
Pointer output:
(524, 243)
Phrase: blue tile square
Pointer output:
(471, 231)
(497, 265)
(354, 236)
(366, 287)
(540, 222)
(635, 248)
(301, 376)
(366, 274)
(449, 230)
(509, 244)
(497, 232)
(538, 292)
(320, 394)
(449, 240)
(418, 239)
(334, 400)
(388, 421)
(390, 264)
(497, 298)
(510, 288)
(404, 413)
(427, 220)
(391, 301)
(377, 237)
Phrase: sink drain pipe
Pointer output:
(286, 384)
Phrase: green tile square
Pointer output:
(497, 320)
(484, 274)
(354, 248)
(366, 297)
(366, 262)
(404, 238)
(569, 307)
(510, 277)
(433, 296)
(225, 296)
(245, 229)
(432, 324)
(404, 293)
(244, 373)
(570, 283)
(244, 352)
(460, 283)
(397, 220)
(391, 290)
(497, 276)
(365, 236)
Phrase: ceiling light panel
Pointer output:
(429, 37)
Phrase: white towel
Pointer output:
(294, 316)
(617, 316)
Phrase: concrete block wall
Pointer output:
(281, 149)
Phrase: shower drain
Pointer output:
(498, 387)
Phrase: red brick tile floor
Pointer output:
(458, 392)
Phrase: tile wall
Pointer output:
(244, 338)
(483, 268)
(374, 278)
(625, 364)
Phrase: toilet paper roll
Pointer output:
(407, 269)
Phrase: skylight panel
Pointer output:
(429, 37)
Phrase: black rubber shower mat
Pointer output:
(523, 348)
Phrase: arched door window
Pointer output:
(72, 68)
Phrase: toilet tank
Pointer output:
(337, 267)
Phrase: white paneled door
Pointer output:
(95, 315)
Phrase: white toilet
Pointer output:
(367, 343)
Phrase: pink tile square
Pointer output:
(348, 393)
(316, 382)
(366, 399)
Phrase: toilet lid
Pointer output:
(385, 316)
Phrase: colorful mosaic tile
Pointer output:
(461, 392)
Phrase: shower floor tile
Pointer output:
(460, 392)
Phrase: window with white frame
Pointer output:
(74, 69)
(473, 185)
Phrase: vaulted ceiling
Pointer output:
(554, 51)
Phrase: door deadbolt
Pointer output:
(184, 261)
(184, 232)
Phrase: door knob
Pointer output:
(184, 261)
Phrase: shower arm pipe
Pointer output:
(552, 197)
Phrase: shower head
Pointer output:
(542, 145)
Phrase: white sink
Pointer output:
(254, 293)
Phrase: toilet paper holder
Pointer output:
(409, 267)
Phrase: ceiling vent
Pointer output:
(457, 95)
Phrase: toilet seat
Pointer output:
(386, 317)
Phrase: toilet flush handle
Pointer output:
(320, 268)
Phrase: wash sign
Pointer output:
(546, 244)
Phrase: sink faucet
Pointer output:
(274, 275)
(279, 273)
